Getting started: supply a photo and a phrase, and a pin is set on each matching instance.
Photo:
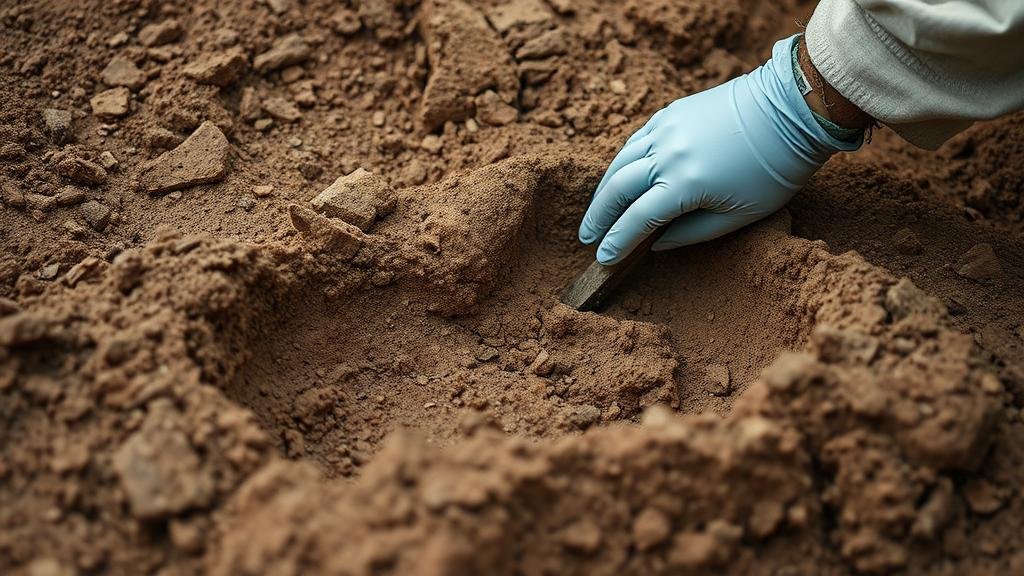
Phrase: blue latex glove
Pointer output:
(711, 163)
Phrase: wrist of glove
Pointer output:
(711, 163)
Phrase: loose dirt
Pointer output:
(279, 294)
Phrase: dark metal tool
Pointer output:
(589, 290)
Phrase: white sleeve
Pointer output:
(925, 68)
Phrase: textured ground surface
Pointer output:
(278, 294)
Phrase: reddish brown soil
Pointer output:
(201, 374)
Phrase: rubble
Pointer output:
(203, 158)
(360, 198)
(81, 171)
(466, 58)
(980, 264)
(108, 161)
(551, 43)
(111, 104)
(325, 234)
(281, 109)
(491, 110)
(159, 34)
(221, 69)
(95, 214)
(58, 123)
(291, 49)
(345, 22)
(123, 72)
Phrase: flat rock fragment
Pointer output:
(123, 72)
(111, 104)
(326, 234)
(203, 158)
(551, 43)
(360, 199)
(980, 264)
(221, 69)
(515, 13)
(162, 33)
(281, 109)
(291, 49)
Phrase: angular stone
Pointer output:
(905, 299)
(326, 234)
(203, 158)
(108, 161)
(159, 34)
(360, 199)
(123, 72)
(81, 171)
(906, 242)
(491, 110)
(58, 123)
(160, 472)
(111, 104)
(551, 43)
(222, 69)
(980, 263)
(281, 109)
(96, 214)
(291, 49)
(519, 13)
(719, 379)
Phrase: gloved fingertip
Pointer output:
(606, 255)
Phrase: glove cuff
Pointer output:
(777, 79)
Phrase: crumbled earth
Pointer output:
(279, 294)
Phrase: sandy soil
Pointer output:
(278, 295)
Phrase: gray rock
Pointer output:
(96, 214)
(58, 123)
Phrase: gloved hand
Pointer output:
(711, 163)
